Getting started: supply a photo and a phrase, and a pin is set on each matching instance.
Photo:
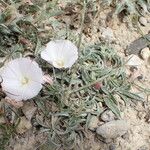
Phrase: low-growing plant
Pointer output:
(87, 89)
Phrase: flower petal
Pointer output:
(60, 53)
(22, 79)
(47, 79)
(31, 91)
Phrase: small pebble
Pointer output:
(145, 53)
(112, 147)
(107, 116)
(107, 34)
(134, 60)
(141, 115)
(126, 136)
(133, 68)
(140, 77)
(143, 21)
(113, 129)
(93, 124)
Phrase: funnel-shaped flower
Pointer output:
(60, 53)
(22, 79)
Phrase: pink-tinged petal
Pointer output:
(47, 79)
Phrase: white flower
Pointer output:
(60, 53)
(22, 79)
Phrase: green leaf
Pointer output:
(15, 28)
(124, 98)
(111, 105)
(130, 95)
(4, 29)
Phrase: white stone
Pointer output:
(134, 60)
(93, 124)
(113, 129)
(107, 34)
(108, 115)
(145, 53)
(143, 21)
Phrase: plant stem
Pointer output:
(82, 24)
(92, 83)
(74, 70)
(80, 39)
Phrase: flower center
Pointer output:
(60, 63)
(24, 81)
